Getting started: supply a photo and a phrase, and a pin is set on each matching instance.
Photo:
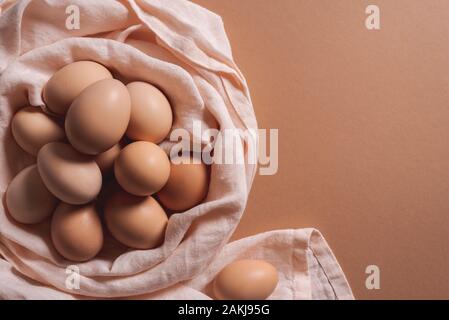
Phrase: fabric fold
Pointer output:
(307, 270)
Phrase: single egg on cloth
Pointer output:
(98, 117)
(28, 199)
(32, 128)
(72, 177)
(68, 82)
(76, 231)
(142, 168)
(187, 185)
(245, 280)
(151, 115)
(138, 222)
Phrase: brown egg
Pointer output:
(142, 168)
(27, 199)
(138, 222)
(151, 114)
(68, 82)
(76, 231)
(105, 160)
(72, 177)
(98, 117)
(32, 128)
(245, 280)
(186, 187)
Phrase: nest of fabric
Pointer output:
(182, 49)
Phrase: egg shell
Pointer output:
(76, 231)
(27, 199)
(68, 82)
(151, 115)
(72, 177)
(138, 222)
(245, 280)
(32, 129)
(98, 117)
(142, 168)
(105, 160)
(187, 185)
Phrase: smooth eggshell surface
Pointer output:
(138, 222)
(105, 160)
(32, 128)
(68, 82)
(27, 199)
(142, 168)
(76, 231)
(72, 177)
(186, 187)
(151, 115)
(246, 280)
(98, 117)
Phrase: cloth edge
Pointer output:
(329, 263)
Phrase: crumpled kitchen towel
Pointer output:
(183, 49)
(307, 270)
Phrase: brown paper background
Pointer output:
(363, 120)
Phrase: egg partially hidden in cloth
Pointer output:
(187, 185)
(28, 199)
(32, 128)
(76, 231)
(245, 280)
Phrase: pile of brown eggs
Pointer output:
(98, 160)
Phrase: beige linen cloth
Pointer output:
(183, 49)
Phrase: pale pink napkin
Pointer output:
(183, 49)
